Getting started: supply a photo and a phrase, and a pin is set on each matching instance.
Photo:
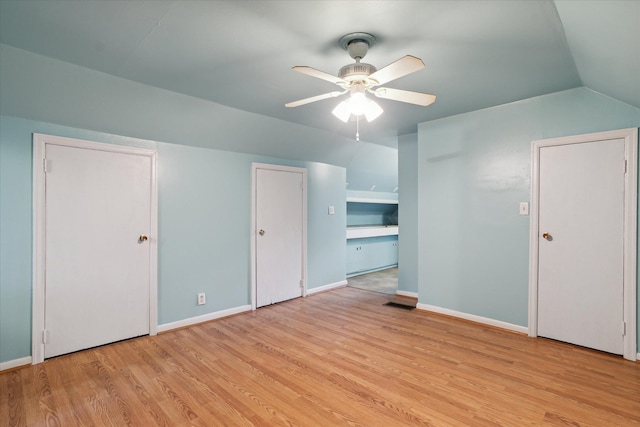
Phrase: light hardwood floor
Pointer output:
(335, 358)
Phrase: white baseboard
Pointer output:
(474, 318)
(407, 294)
(10, 364)
(204, 318)
(328, 287)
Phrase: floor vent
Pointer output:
(398, 305)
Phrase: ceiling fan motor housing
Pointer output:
(356, 72)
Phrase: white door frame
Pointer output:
(254, 226)
(39, 229)
(630, 137)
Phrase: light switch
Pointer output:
(524, 208)
(332, 210)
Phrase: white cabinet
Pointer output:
(371, 253)
(356, 254)
(372, 235)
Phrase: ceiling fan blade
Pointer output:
(406, 65)
(417, 98)
(314, 99)
(318, 74)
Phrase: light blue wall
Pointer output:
(408, 213)
(44, 89)
(371, 165)
(15, 244)
(474, 169)
(326, 245)
(200, 166)
(204, 217)
(204, 226)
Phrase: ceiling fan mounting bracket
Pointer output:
(357, 44)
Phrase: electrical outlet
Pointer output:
(202, 299)
(332, 210)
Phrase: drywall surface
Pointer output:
(474, 169)
(204, 216)
(408, 213)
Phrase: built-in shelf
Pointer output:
(360, 232)
(372, 232)
(368, 200)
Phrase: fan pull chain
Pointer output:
(357, 128)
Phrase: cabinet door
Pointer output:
(375, 254)
(383, 253)
(393, 253)
(371, 254)
(354, 257)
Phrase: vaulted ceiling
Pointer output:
(239, 54)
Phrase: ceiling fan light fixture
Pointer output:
(373, 111)
(358, 105)
(342, 111)
(358, 78)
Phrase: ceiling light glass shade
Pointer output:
(372, 111)
(342, 111)
(357, 104)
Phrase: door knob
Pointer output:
(261, 232)
(142, 238)
(547, 236)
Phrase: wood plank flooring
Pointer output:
(332, 359)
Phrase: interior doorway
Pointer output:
(583, 241)
(279, 234)
(95, 244)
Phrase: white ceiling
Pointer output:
(478, 54)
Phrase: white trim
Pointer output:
(324, 288)
(38, 300)
(203, 318)
(254, 230)
(631, 245)
(630, 229)
(371, 200)
(407, 294)
(38, 303)
(15, 363)
(472, 317)
(153, 255)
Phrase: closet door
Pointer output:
(580, 287)
(97, 250)
(279, 235)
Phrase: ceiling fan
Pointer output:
(359, 78)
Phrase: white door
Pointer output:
(279, 235)
(580, 248)
(97, 260)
